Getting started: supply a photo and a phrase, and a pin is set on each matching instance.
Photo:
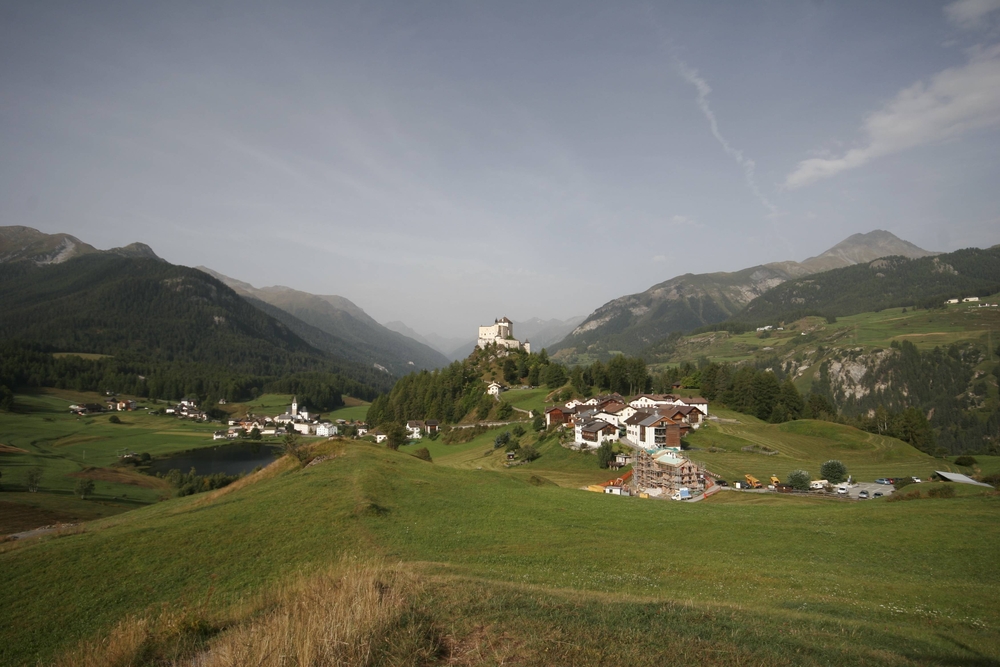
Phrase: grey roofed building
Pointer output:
(961, 479)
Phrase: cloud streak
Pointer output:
(970, 14)
(953, 102)
(691, 75)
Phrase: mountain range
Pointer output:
(630, 323)
(349, 331)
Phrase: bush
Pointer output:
(84, 488)
(912, 495)
(518, 430)
(114, 419)
(993, 479)
(605, 454)
(942, 492)
(833, 471)
(799, 480)
(538, 423)
(423, 454)
(966, 461)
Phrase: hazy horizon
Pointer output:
(446, 165)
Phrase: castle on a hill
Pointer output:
(501, 332)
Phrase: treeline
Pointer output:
(25, 365)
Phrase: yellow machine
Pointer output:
(775, 480)
(753, 481)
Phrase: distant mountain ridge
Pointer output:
(349, 331)
(19, 243)
(630, 323)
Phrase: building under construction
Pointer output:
(664, 472)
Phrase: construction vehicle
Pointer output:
(753, 482)
(775, 481)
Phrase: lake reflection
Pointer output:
(231, 459)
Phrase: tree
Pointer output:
(529, 453)
(423, 454)
(290, 444)
(114, 419)
(34, 476)
(517, 431)
(84, 488)
(501, 440)
(798, 479)
(538, 423)
(605, 454)
(554, 376)
(791, 399)
(833, 471)
(504, 410)
(396, 433)
(510, 371)
(255, 433)
(6, 398)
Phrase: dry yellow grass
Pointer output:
(360, 613)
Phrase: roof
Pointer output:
(694, 399)
(594, 426)
(961, 479)
(561, 409)
(653, 419)
(637, 417)
(669, 458)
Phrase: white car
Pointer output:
(916, 480)
(842, 490)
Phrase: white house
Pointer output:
(952, 301)
(304, 429)
(494, 389)
(694, 402)
(414, 430)
(326, 430)
(595, 433)
(970, 299)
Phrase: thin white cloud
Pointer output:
(955, 101)
(970, 14)
(691, 76)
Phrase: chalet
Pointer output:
(432, 426)
(304, 428)
(970, 299)
(494, 388)
(379, 436)
(559, 415)
(362, 429)
(646, 401)
(659, 432)
(952, 301)
(621, 460)
(695, 402)
(576, 402)
(220, 435)
(414, 430)
(687, 414)
(596, 433)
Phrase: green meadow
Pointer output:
(926, 329)
(538, 574)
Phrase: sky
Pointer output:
(447, 163)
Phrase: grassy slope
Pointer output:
(925, 329)
(804, 444)
(776, 580)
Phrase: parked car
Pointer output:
(877, 494)
(842, 490)
(722, 482)
(916, 480)
(863, 495)
(883, 480)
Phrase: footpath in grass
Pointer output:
(798, 582)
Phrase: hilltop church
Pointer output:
(501, 332)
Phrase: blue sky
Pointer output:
(446, 163)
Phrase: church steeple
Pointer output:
(295, 406)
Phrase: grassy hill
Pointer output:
(803, 444)
(504, 571)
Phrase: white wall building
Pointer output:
(501, 332)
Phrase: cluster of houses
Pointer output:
(651, 424)
(112, 404)
(971, 299)
(296, 419)
(187, 409)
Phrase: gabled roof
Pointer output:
(595, 426)
(694, 399)
(561, 409)
(637, 417)
(655, 419)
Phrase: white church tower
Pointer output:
(295, 406)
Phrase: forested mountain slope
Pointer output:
(355, 335)
(883, 283)
(630, 323)
(151, 311)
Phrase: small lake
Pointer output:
(231, 458)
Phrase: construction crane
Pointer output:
(753, 482)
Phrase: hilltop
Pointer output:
(19, 243)
(630, 323)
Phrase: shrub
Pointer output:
(912, 495)
(799, 480)
(518, 430)
(84, 488)
(605, 454)
(833, 471)
(993, 479)
(942, 492)
(966, 461)
(423, 454)
(114, 419)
